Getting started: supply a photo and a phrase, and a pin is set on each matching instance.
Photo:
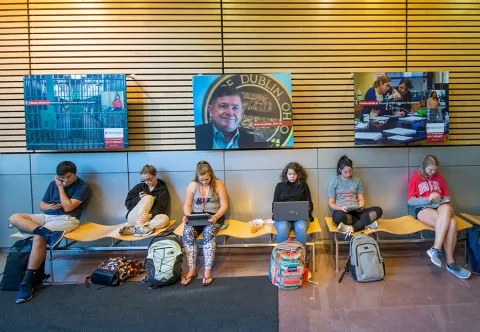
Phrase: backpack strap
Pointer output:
(347, 269)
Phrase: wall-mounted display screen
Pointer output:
(75, 112)
(243, 111)
(401, 107)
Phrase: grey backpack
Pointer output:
(365, 262)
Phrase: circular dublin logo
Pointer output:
(266, 103)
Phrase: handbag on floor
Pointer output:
(365, 262)
(16, 266)
(287, 264)
(115, 271)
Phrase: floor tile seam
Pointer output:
(409, 306)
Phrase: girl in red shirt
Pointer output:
(429, 202)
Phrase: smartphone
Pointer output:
(224, 226)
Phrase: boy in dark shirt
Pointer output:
(62, 207)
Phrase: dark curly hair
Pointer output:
(298, 169)
(344, 161)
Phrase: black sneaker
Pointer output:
(54, 238)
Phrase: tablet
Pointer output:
(353, 208)
(205, 216)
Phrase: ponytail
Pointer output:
(342, 163)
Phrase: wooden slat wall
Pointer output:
(14, 63)
(321, 44)
(445, 35)
(165, 42)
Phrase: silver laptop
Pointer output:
(291, 211)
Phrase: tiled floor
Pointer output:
(415, 296)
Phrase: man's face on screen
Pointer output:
(226, 113)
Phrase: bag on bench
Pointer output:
(287, 266)
(365, 262)
(164, 260)
(115, 271)
(16, 266)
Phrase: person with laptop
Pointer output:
(292, 188)
(429, 201)
(346, 199)
(205, 205)
(148, 204)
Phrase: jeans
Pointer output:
(300, 227)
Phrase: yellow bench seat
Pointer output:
(91, 231)
(241, 229)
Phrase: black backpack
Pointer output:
(16, 266)
(164, 260)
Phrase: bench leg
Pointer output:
(313, 257)
(331, 244)
(336, 253)
(50, 263)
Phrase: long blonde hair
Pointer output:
(381, 80)
(203, 167)
(429, 160)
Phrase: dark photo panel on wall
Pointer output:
(75, 112)
(243, 111)
(401, 107)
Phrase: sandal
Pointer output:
(189, 279)
(205, 281)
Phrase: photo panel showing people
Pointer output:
(401, 107)
(243, 111)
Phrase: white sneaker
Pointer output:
(143, 231)
(373, 225)
(345, 229)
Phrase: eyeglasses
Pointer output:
(147, 180)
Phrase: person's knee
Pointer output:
(147, 198)
(375, 213)
(188, 235)
(282, 226)
(339, 216)
(453, 223)
(445, 209)
(38, 242)
(160, 220)
(302, 227)
(14, 218)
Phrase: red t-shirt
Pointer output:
(117, 104)
(419, 187)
